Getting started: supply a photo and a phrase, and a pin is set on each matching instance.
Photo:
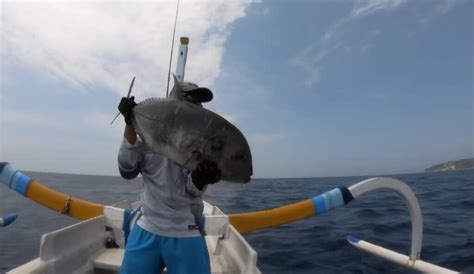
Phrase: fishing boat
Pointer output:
(96, 243)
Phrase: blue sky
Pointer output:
(319, 88)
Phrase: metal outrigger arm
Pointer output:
(247, 222)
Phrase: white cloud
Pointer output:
(104, 44)
(312, 57)
(366, 7)
(447, 5)
(441, 8)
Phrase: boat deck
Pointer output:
(80, 248)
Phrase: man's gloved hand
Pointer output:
(207, 172)
(125, 107)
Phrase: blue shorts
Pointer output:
(148, 253)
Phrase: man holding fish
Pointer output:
(170, 231)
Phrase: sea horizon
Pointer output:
(272, 178)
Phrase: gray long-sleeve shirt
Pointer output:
(172, 204)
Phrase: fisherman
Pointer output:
(170, 231)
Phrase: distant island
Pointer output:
(464, 164)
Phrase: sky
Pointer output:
(319, 88)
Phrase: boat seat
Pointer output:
(109, 259)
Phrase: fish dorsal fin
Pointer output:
(149, 100)
(177, 91)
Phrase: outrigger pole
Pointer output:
(251, 221)
(50, 198)
(7, 219)
(337, 197)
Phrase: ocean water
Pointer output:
(314, 245)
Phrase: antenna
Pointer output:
(172, 46)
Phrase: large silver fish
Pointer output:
(189, 134)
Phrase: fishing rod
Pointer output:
(172, 46)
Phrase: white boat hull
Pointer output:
(80, 248)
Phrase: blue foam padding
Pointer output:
(7, 174)
(334, 198)
(319, 204)
(22, 184)
(352, 239)
(16, 177)
(8, 219)
(328, 200)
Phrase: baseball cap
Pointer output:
(194, 93)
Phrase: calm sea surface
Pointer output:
(314, 245)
